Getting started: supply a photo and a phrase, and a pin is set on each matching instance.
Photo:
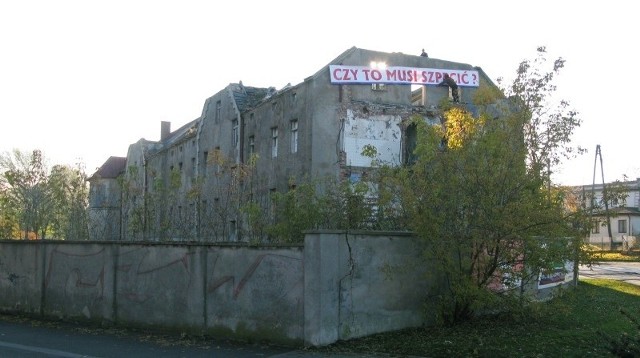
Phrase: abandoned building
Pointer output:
(252, 142)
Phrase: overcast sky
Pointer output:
(81, 80)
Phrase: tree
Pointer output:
(479, 193)
(320, 204)
(547, 126)
(9, 228)
(41, 203)
(69, 194)
(25, 180)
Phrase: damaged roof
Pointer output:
(248, 97)
(111, 169)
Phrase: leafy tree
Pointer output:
(9, 228)
(296, 210)
(39, 202)
(479, 194)
(547, 126)
(25, 182)
(69, 193)
(321, 204)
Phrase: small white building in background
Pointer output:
(624, 215)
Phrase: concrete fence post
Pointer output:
(321, 288)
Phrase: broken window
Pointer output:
(234, 134)
(233, 232)
(274, 142)
(418, 95)
(294, 136)
(205, 157)
(252, 145)
(410, 143)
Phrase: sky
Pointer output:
(81, 80)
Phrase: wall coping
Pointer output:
(152, 243)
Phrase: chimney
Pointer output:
(165, 130)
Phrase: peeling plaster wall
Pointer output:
(380, 131)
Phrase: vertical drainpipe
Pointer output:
(198, 158)
(43, 272)
(630, 231)
(115, 249)
(204, 249)
(238, 152)
(145, 224)
(239, 156)
(196, 173)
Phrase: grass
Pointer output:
(576, 325)
(603, 255)
(632, 256)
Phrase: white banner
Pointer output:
(400, 75)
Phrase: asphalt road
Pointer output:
(38, 339)
(23, 338)
(35, 339)
(621, 271)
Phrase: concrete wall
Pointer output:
(338, 286)
(229, 291)
(359, 284)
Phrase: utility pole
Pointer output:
(604, 194)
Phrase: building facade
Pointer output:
(250, 143)
(615, 225)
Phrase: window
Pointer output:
(180, 166)
(378, 87)
(294, 136)
(205, 156)
(294, 97)
(596, 228)
(272, 202)
(233, 230)
(274, 106)
(216, 159)
(252, 145)
(622, 226)
(203, 210)
(234, 134)
(218, 110)
(274, 142)
(98, 197)
(251, 117)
